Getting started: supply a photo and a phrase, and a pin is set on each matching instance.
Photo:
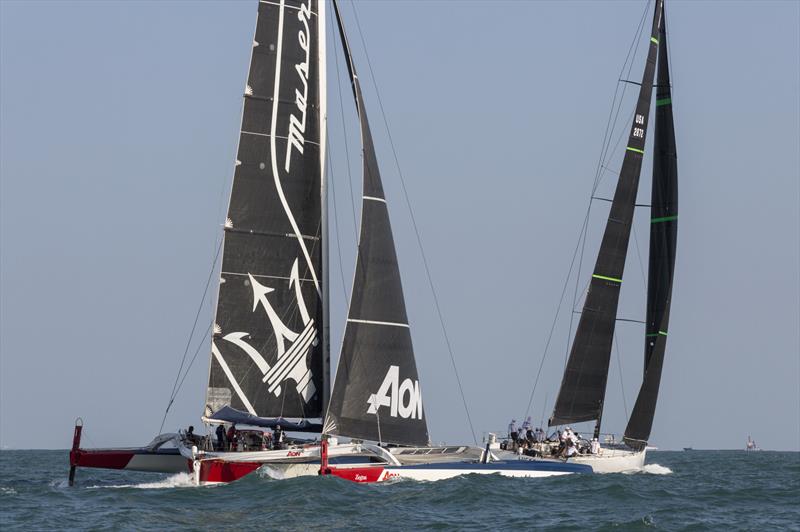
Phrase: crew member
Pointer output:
(231, 437)
(595, 447)
(512, 431)
(191, 436)
(570, 450)
(221, 440)
(278, 437)
(570, 436)
(528, 428)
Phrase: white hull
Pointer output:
(614, 461)
(444, 474)
(284, 471)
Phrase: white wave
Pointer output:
(7, 491)
(655, 469)
(179, 480)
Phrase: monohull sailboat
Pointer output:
(581, 396)
(270, 355)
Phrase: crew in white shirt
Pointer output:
(512, 431)
(571, 450)
(595, 446)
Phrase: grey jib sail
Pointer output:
(376, 394)
(267, 357)
(663, 237)
(583, 386)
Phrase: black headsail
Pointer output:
(267, 348)
(663, 238)
(583, 386)
(376, 394)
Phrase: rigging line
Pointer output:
(344, 131)
(610, 126)
(605, 145)
(639, 256)
(669, 55)
(336, 225)
(621, 380)
(173, 393)
(414, 224)
(582, 245)
(544, 406)
(632, 50)
(552, 329)
(612, 170)
(201, 344)
(583, 237)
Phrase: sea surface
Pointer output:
(694, 490)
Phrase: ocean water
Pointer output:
(694, 490)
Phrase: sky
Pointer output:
(118, 131)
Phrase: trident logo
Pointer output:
(292, 346)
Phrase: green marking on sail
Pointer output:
(662, 333)
(637, 150)
(663, 219)
(604, 278)
(659, 333)
(653, 39)
(663, 101)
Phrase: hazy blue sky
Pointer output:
(118, 129)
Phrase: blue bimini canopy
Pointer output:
(227, 414)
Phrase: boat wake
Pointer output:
(179, 480)
(655, 469)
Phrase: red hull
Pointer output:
(104, 459)
(216, 471)
(357, 474)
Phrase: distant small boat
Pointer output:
(751, 445)
(688, 449)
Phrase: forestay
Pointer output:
(663, 238)
(376, 395)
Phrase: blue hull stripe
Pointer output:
(506, 465)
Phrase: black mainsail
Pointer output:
(376, 394)
(268, 342)
(583, 386)
(663, 238)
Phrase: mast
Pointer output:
(267, 349)
(376, 395)
(663, 239)
(323, 114)
(583, 386)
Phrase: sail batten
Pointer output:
(376, 394)
(583, 386)
(268, 344)
(663, 240)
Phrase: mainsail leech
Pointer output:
(663, 238)
(376, 395)
(583, 386)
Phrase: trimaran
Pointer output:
(270, 356)
(269, 363)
